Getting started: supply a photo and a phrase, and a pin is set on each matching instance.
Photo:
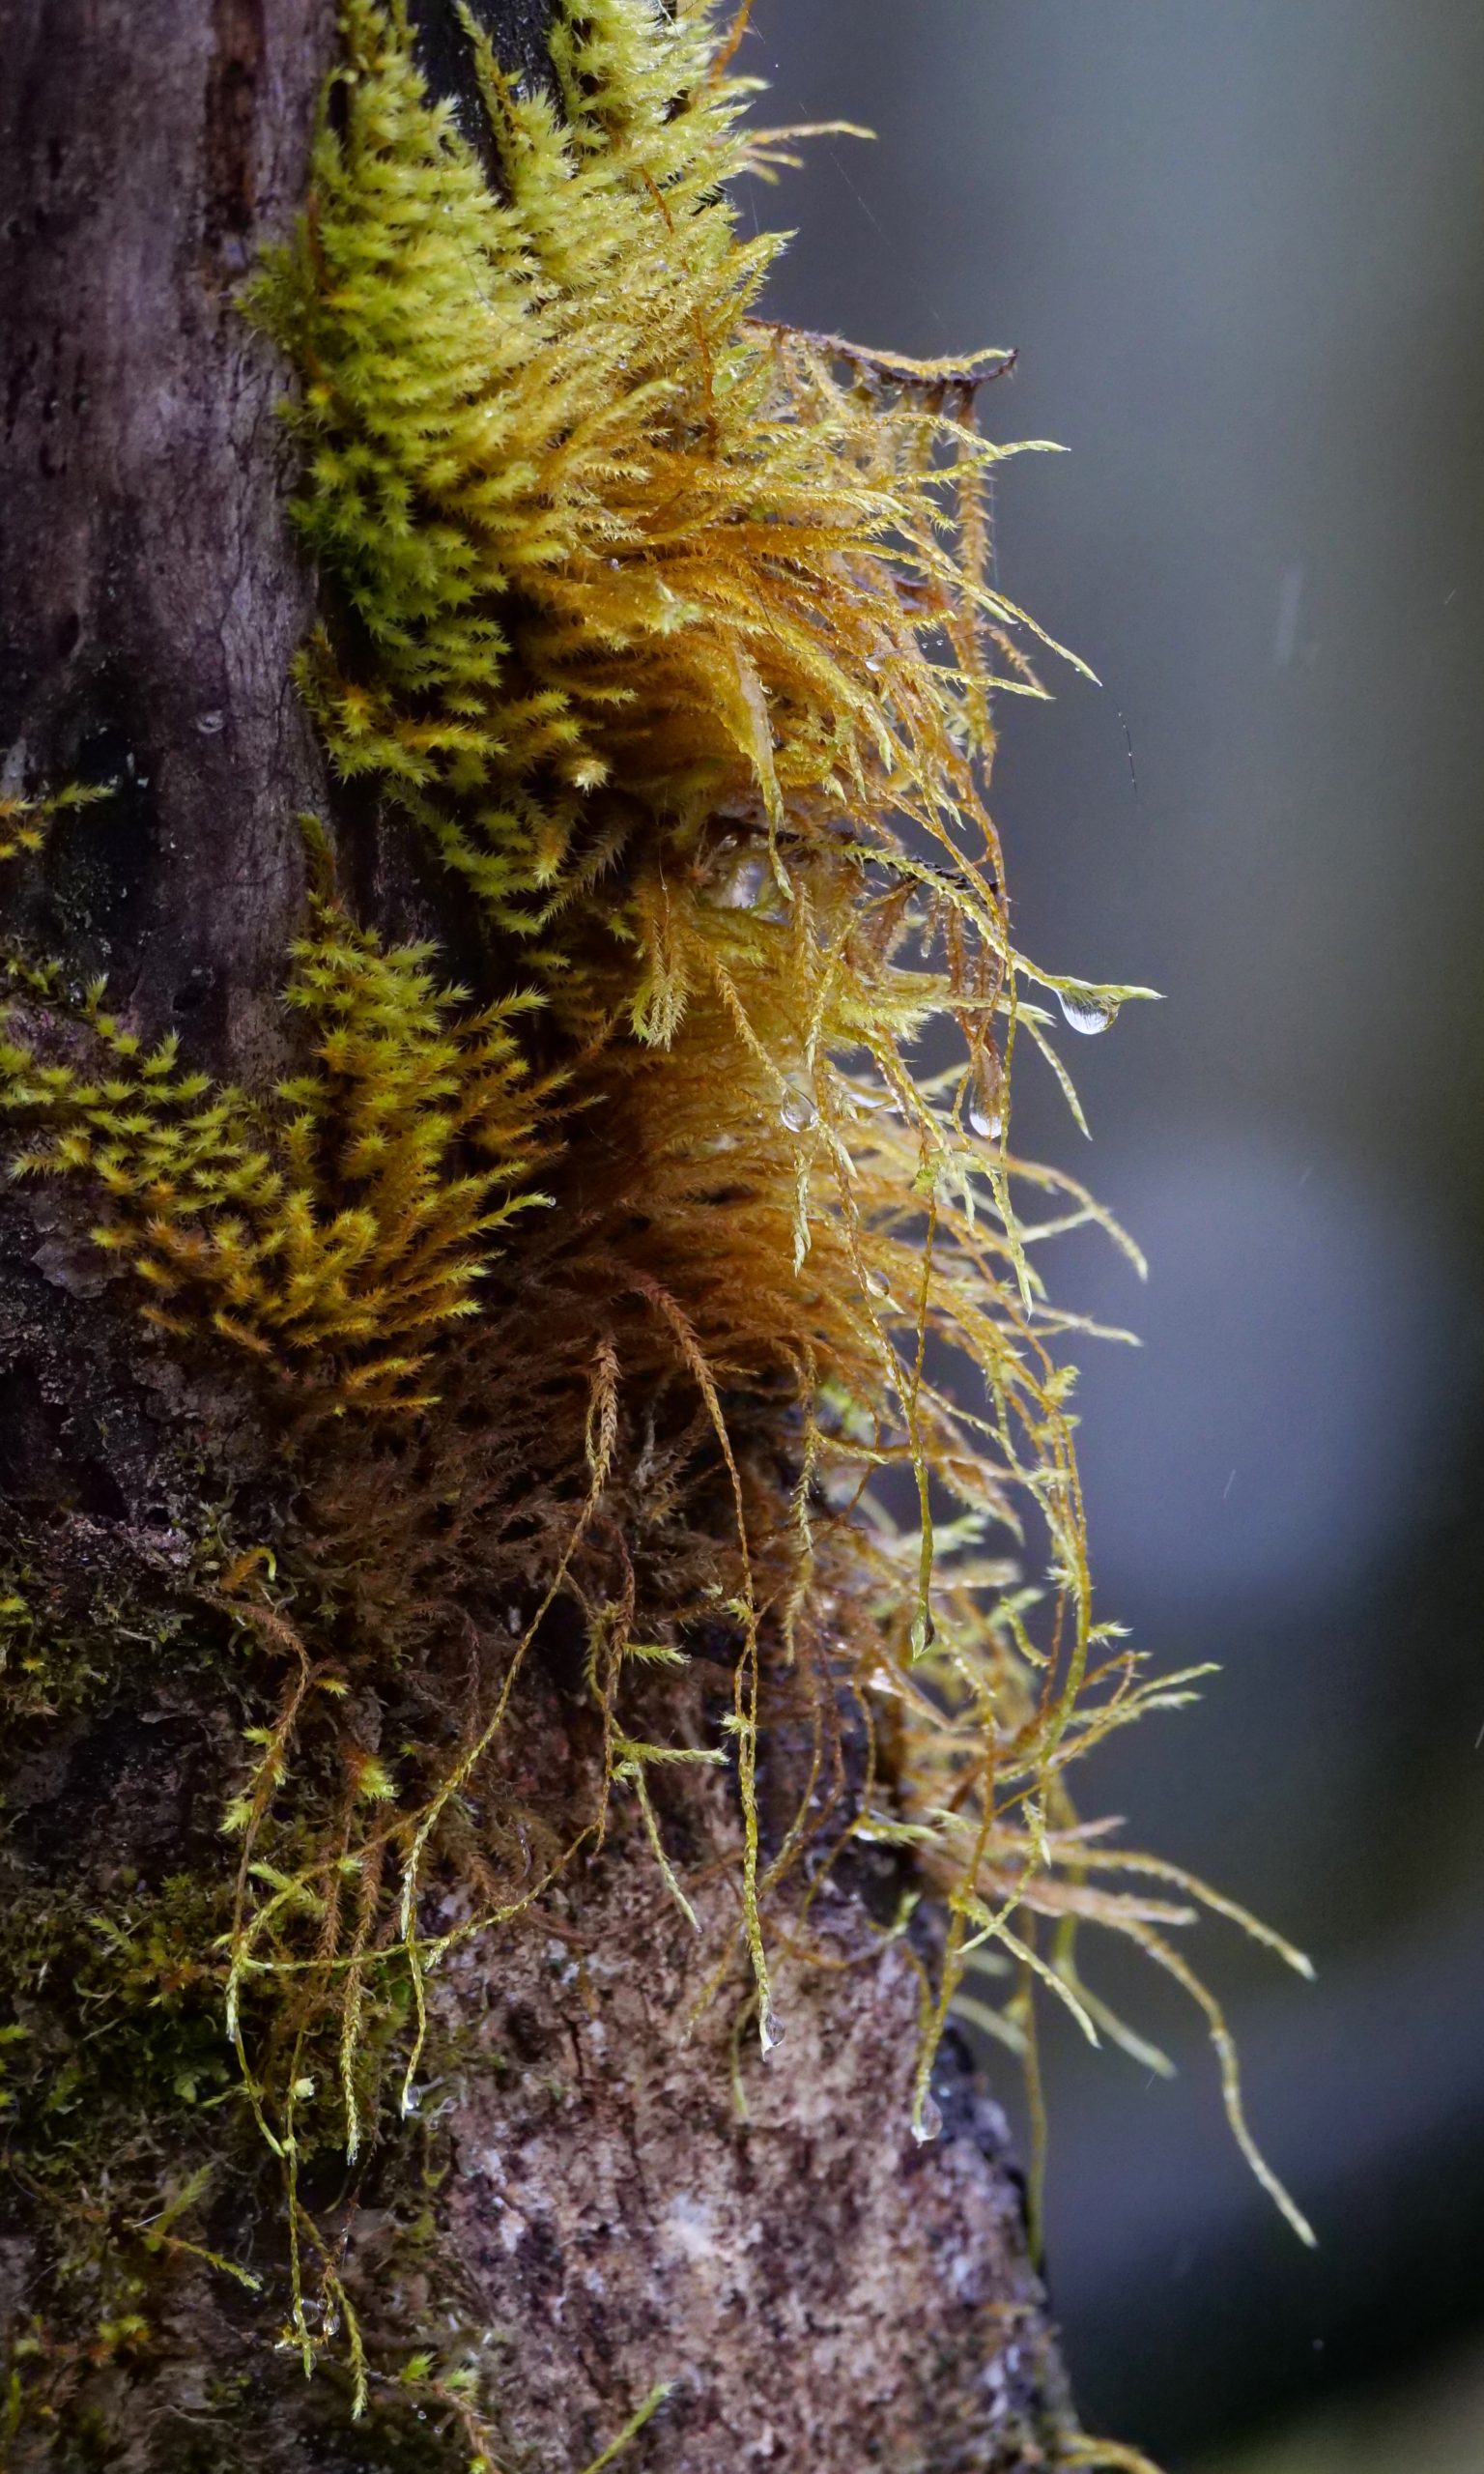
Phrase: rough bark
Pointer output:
(821, 2291)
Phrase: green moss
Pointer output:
(24, 823)
(117, 2096)
(42, 1676)
(330, 1228)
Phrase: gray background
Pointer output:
(1238, 244)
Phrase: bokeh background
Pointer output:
(1239, 245)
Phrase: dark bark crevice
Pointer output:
(149, 598)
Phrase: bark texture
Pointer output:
(821, 2291)
(618, 2202)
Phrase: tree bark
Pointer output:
(618, 2202)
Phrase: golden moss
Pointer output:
(591, 524)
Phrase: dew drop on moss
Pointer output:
(1086, 1010)
(799, 1109)
(987, 1100)
(742, 886)
(926, 2122)
(840, 1487)
(747, 883)
(770, 2030)
(922, 1635)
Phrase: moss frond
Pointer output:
(331, 1229)
(616, 557)
(25, 822)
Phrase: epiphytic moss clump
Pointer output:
(593, 526)
(330, 1228)
(672, 629)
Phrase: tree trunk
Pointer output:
(604, 2198)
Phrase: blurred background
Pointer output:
(1240, 246)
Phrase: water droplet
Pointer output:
(770, 2031)
(879, 1286)
(840, 1487)
(799, 1109)
(749, 882)
(922, 1635)
(1087, 1010)
(926, 2122)
(987, 1100)
(208, 723)
(741, 889)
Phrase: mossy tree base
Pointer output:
(594, 2197)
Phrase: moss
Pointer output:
(329, 1230)
(25, 822)
(594, 527)
(43, 1674)
(672, 629)
(117, 2096)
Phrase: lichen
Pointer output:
(672, 629)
